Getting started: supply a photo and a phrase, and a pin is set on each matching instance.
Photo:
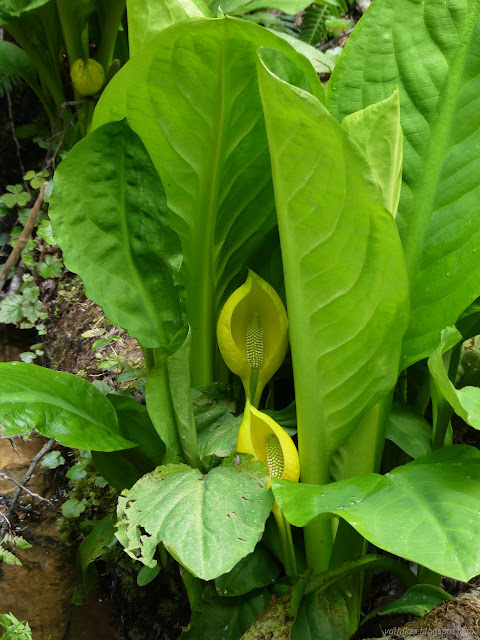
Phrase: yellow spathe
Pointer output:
(252, 334)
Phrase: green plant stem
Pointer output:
(427, 576)
(201, 314)
(114, 11)
(360, 454)
(286, 542)
(253, 387)
(194, 587)
(314, 469)
(372, 562)
(148, 356)
(72, 34)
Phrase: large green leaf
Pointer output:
(215, 618)
(259, 569)
(58, 405)
(146, 18)
(344, 270)
(109, 215)
(192, 96)
(190, 513)
(430, 50)
(426, 511)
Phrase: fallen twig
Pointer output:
(331, 43)
(48, 446)
(23, 239)
(30, 493)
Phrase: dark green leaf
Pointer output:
(409, 431)
(98, 542)
(114, 233)
(322, 615)
(418, 600)
(58, 405)
(123, 468)
(225, 618)
(258, 569)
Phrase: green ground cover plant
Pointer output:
(219, 150)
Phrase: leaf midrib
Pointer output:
(435, 157)
(201, 298)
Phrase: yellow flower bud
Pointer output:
(264, 438)
(87, 76)
(252, 334)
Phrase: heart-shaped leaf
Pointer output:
(208, 522)
(427, 511)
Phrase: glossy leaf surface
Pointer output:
(259, 569)
(430, 50)
(114, 233)
(418, 600)
(190, 512)
(344, 269)
(192, 97)
(58, 405)
(426, 511)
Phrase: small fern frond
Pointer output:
(275, 20)
(313, 27)
(7, 82)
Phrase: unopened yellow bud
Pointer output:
(87, 76)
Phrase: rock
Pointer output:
(363, 5)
